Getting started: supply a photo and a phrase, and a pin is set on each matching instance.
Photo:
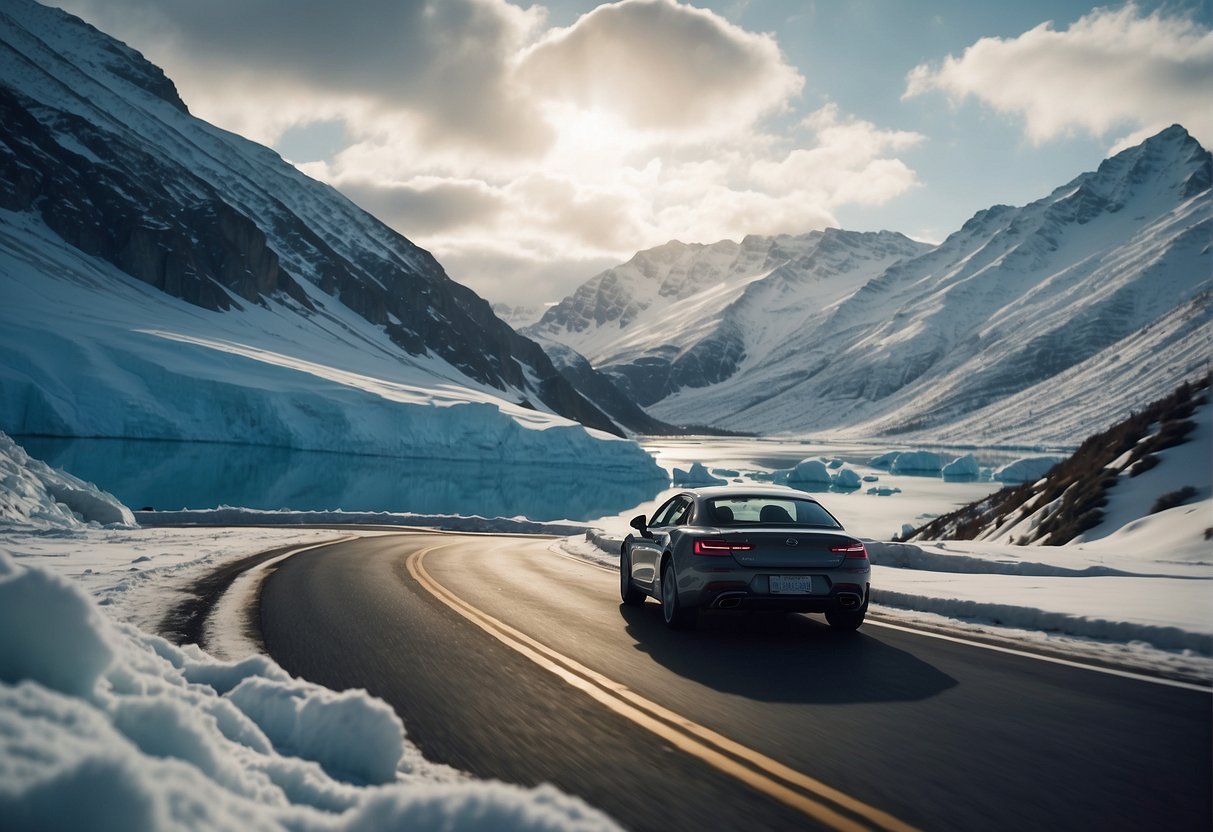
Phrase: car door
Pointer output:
(646, 550)
(667, 524)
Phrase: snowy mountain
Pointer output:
(1031, 325)
(692, 316)
(166, 279)
(519, 316)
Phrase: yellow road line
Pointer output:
(763, 773)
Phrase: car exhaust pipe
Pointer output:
(848, 600)
(728, 602)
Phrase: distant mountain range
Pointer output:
(164, 278)
(1032, 325)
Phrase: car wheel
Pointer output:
(845, 620)
(677, 617)
(631, 596)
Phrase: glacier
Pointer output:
(165, 279)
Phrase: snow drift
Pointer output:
(95, 714)
(34, 494)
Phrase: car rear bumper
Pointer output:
(749, 600)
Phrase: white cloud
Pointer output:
(1114, 69)
(662, 66)
(532, 154)
(259, 68)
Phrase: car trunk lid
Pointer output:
(784, 548)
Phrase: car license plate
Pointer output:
(791, 584)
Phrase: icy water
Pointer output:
(199, 475)
(176, 475)
(902, 499)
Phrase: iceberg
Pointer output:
(810, 472)
(962, 467)
(1026, 469)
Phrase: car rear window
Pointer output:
(768, 511)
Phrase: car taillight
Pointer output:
(851, 550)
(720, 547)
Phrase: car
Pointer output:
(745, 548)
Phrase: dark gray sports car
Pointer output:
(737, 547)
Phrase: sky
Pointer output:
(530, 147)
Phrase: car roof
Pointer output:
(715, 491)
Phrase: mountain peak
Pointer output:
(1171, 158)
(63, 32)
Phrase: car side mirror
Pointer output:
(640, 525)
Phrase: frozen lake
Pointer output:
(196, 475)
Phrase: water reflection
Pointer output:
(176, 475)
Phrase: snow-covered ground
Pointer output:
(94, 705)
(96, 711)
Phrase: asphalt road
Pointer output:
(512, 662)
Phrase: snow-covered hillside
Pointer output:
(686, 316)
(1032, 325)
(89, 351)
(1158, 460)
(165, 279)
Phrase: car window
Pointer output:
(661, 517)
(768, 511)
(681, 514)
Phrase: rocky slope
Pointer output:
(1134, 460)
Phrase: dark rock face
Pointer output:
(605, 391)
(112, 162)
(192, 251)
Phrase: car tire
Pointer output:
(845, 620)
(631, 596)
(677, 617)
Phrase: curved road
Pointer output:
(510, 661)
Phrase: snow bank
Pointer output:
(234, 516)
(34, 494)
(1034, 618)
(697, 475)
(97, 715)
(1026, 469)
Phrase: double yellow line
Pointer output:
(815, 799)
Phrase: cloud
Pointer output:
(516, 152)
(848, 162)
(428, 205)
(263, 66)
(1113, 69)
(662, 66)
